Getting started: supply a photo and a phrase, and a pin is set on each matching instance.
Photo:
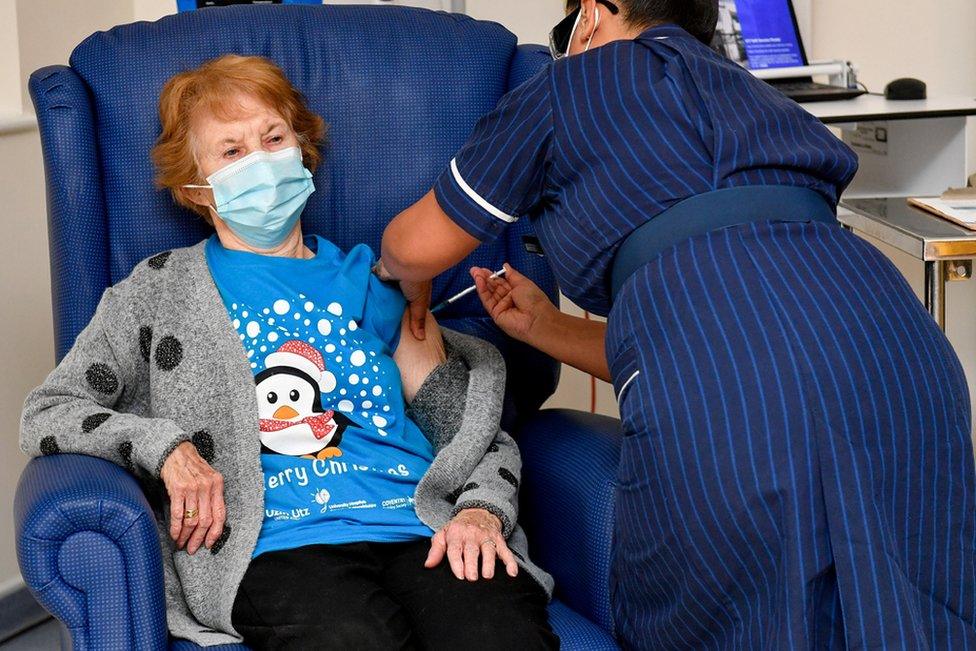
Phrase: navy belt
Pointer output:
(713, 211)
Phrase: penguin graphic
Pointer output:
(293, 421)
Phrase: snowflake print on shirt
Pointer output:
(293, 345)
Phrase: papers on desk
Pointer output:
(961, 211)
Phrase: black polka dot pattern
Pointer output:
(169, 353)
(508, 476)
(221, 541)
(493, 447)
(204, 444)
(145, 341)
(93, 422)
(125, 451)
(455, 494)
(101, 378)
(159, 261)
(49, 445)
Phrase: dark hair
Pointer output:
(697, 17)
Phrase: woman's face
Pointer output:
(256, 127)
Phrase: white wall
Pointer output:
(10, 96)
(530, 20)
(27, 351)
(886, 39)
(33, 33)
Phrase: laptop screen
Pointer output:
(759, 34)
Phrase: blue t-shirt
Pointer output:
(341, 460)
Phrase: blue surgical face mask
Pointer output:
(261, 196)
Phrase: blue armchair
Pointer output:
(401, 90)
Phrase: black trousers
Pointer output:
(380, 596)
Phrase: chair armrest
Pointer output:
(569, 469)
(89, 551)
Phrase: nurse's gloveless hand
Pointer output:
(418, 297)
(515, 303)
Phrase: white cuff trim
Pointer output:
(477, 198)
(623, 389)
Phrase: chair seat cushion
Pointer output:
(575, 633)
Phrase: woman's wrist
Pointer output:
(481, 517)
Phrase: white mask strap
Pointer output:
(596, 23)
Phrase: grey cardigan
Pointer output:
(160, 364)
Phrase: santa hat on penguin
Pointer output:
(303, 357)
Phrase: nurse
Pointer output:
(797, 468)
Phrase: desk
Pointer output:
(874, 108)
(944, 248)
(925, 147)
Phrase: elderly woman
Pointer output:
(253, 378)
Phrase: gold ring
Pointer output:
(189, 514)
(489, 541)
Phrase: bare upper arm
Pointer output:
(417, 359)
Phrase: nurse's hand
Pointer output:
(417, 295)
(196, 498)
(515, 303)
(473, 535)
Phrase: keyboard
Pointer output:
(809, 91)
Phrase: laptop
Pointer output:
(764, 35)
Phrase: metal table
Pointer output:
(947, 250)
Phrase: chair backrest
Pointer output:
(400, 88)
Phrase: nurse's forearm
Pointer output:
(423, 241)
(575, 341)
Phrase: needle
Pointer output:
(457, 297)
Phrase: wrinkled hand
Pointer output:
(472, 533)
(515, 303)
(416, 359)
(193, 484)
(417, 295)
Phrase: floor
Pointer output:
(43, 637)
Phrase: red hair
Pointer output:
(214, 87)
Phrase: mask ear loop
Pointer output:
(191, 186)
(572, 35)
(596, 23)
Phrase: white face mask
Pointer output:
(261, 196)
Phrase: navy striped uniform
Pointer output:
(797, 468)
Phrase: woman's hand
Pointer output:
(472, 533)
(515, 303)
(195, 489)
(416, 359)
